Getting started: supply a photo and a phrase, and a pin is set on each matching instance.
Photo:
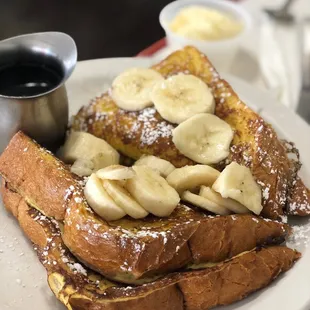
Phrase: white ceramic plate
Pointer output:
(23, 280)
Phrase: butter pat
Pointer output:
(206, 24)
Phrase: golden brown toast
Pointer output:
(79, 288)
(299, 199)
(255, 143)
(128, 249)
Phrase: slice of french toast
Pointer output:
(255, 143)
(79, 288)
(128, 249)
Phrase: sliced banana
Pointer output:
(204, 203)
(123, 199)
(152, 191)
(100, 201)
(237, 182)
(181, 96)
(116, 172)
(191, 177)
(227, 203)
(163, 167)
(204, 138)
(131, 89)
(82, 167)
(105, 159)
(82, 145)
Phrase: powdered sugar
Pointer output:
(284, 218)
(153, 234)
(96, 226)
(77, 268)
(68, 193)
(78, 199)
(265, 193)
(247, 158)
(151, 129)
(295, 207)
(40, 217)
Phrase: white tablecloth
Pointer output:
(286, 46)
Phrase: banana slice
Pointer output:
(204, 138)
(163, 167)
(204, 203)
(105, 159)
(131, 89)
(116, 172)
(191, 177)
(237, 182)
(100, 201)
(123, 199)
(152, 191)
(82, 167)
(82, 145)
(182, 96)
(227, 203)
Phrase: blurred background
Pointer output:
(100, 28)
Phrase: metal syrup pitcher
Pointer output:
(33, 97)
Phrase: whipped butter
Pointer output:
(202, 23)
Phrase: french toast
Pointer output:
(133, 249)
(255, 142)
(188, 259)
(79, 288)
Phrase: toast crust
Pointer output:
(255, 143)
(299, 200)
(133, 249)
(80, 288)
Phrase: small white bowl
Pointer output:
(220, 52)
